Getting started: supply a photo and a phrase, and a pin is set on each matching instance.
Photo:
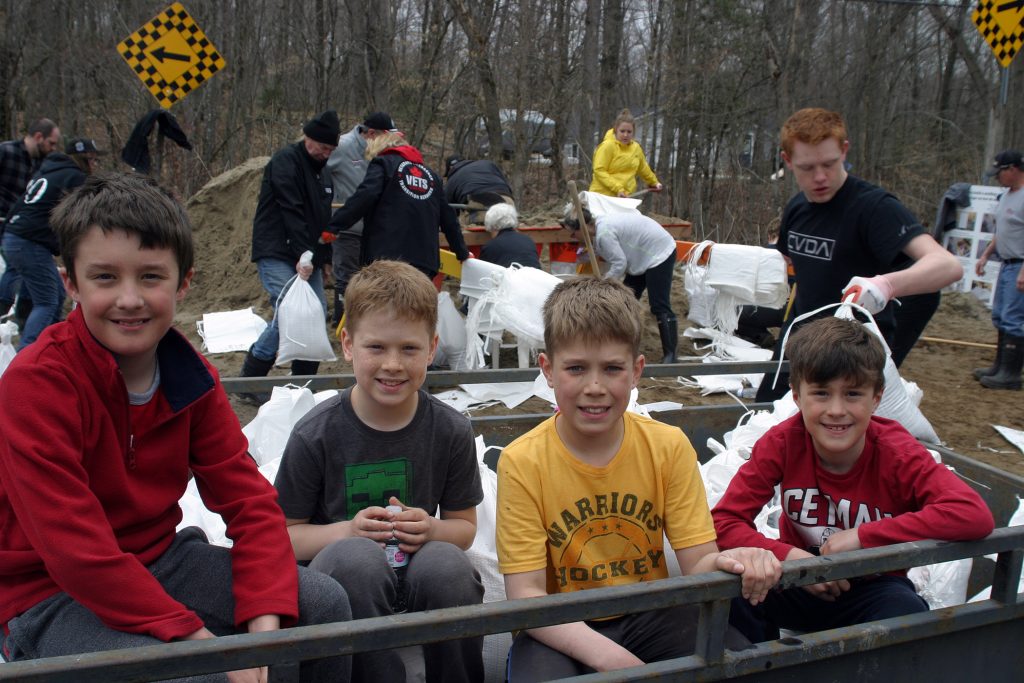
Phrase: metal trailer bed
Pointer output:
(979, 640)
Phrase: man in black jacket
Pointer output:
(294, 207)
(29, 242)
(477, 184)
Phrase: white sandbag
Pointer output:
(8, 331)
(944, 584)
(268, 432)
(302, 325)
(700, 295)
(740, 275)
(520, 303)
(451, 333)
(718, 472)
(484, 556)
(195, 513)
(226, 331)
(603, 205)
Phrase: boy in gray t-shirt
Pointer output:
(385, 442)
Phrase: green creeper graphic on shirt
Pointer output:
(373, 483)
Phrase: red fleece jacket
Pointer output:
(88, 498)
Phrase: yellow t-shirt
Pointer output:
(591, 527)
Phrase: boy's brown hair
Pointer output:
(130, 202)
(391, 286)
(834, 348)
(812, 126)
(592, 310)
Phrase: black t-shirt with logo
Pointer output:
(861, 231)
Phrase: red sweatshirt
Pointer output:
(895, 492)
(89, 487)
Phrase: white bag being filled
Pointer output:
(302, 325)
(451, 334)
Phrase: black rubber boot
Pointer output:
(986, 372)
(255, 367)
(302, 368)
(22, 309)
(1008, 376)
(668, 329)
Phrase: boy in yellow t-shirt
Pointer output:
(588, 496)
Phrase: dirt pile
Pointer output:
(221, 214)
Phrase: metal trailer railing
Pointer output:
(980, 640)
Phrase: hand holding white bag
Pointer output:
(302, 325)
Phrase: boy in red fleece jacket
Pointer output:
(104, 419)
(848, 480)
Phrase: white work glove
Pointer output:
(873, 293)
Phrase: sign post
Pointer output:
(171, 55)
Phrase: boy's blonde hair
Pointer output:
(592, 310)
(812, 126)
(394, 287)
(130, 202)
(834, 348)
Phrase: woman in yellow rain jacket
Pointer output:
(619, 159)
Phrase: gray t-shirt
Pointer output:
(1010, 225)
(334, 465)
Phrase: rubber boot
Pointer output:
(339, 307)
(302, 368)
(1008, 376)
(668, 329)
(985, 372)
(255, 367)
(22, 309)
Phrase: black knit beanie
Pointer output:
(324, 128)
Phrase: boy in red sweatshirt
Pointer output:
(847, 480)
(104, 419)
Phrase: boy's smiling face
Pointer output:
(592, 383)
(836, 415)
(389, 357)
(127, 295)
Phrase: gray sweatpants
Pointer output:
(438, 575)
(194, 573)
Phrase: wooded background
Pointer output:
(710, 81)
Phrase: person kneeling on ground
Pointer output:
(595, 486)
(387, 442)
(106, 417)
(507, 245)
(848, 480)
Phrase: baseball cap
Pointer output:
(82, 146)
(1004, 160)
(379, 120)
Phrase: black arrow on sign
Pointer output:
(1007, 6)
(162, 54)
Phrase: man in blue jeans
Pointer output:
(1008, 299)
(294, 207)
